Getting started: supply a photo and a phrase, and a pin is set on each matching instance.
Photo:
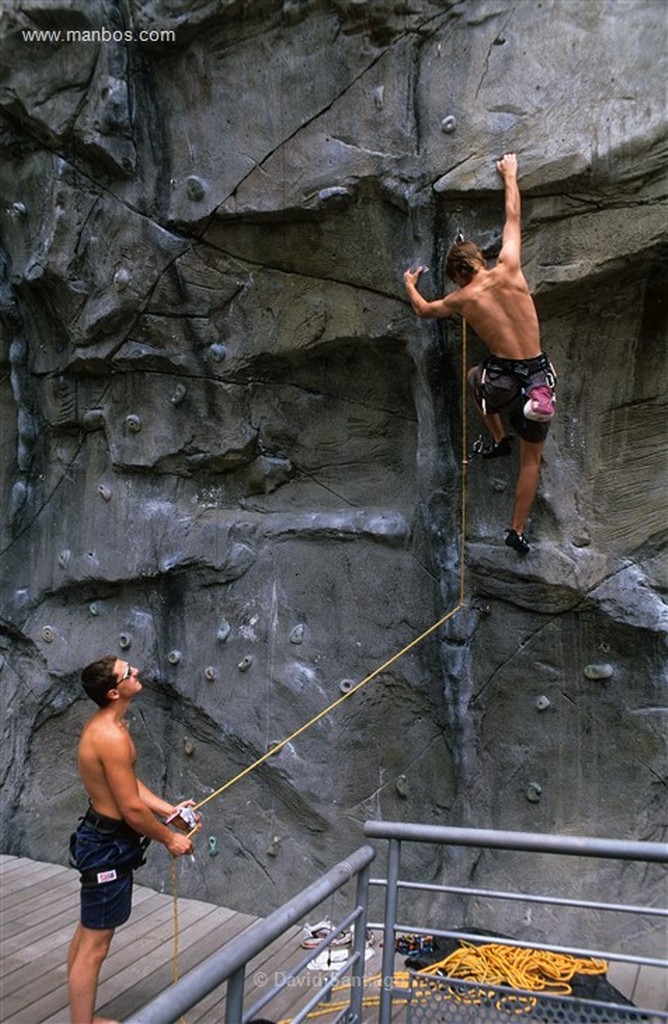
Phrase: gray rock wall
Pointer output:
(232, 455)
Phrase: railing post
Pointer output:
(234, 999)
(357, 974)
(387, 975)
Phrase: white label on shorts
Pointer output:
(106, 876)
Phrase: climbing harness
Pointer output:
(103, 873)
(277, 747)
(503, 380)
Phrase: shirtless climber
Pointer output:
(516, 378)
(108, 843)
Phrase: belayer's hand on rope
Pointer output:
(185, 819)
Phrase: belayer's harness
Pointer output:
(109, 827)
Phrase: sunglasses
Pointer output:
(127, 673)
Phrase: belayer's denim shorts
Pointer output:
(106, 904)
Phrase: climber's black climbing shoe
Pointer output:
(517, 541)
(495, 449)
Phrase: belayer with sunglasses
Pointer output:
(121, 819)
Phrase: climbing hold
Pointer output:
(273, 746)
(245, 663)
(378, 97)
(297, 634)
(48, 634)
(195, 188)
(448, 124)
(188, 748)
(223, 631)
(603, 671)
(533, 792)
(2, 662)
(180, 392)
(174, 657)
(210, 673)
(121, 279)
(93, 609)
(93, 419)
(401, 784)
(124, 641)
(19, 208)
(274, 846)
(133, 422)
(217, 352)
(64, 558)
(104, 492)
(542, 703)
(334, 192)
(346, 685)
(213, 846)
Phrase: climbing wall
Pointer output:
(232, 455)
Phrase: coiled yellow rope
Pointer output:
(534, 970)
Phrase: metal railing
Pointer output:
(397, 833)
(228, 965)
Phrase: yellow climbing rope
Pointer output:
(519, 967)
(276, 748)
(534, 970)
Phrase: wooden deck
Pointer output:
(40, 909)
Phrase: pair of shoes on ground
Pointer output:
(411, 943)
(314, 934)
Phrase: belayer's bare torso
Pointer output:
(100, 732)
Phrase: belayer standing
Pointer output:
(112, 836)
(516, 378)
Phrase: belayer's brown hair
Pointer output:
(464, 259)
(98, 678)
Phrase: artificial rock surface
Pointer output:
(231, 454)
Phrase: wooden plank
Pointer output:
(22, 901)
(133, 946)
(57, 929)
(50, 961)
(40, 912)
(195, 944)
(8, 861)
(35, 873)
